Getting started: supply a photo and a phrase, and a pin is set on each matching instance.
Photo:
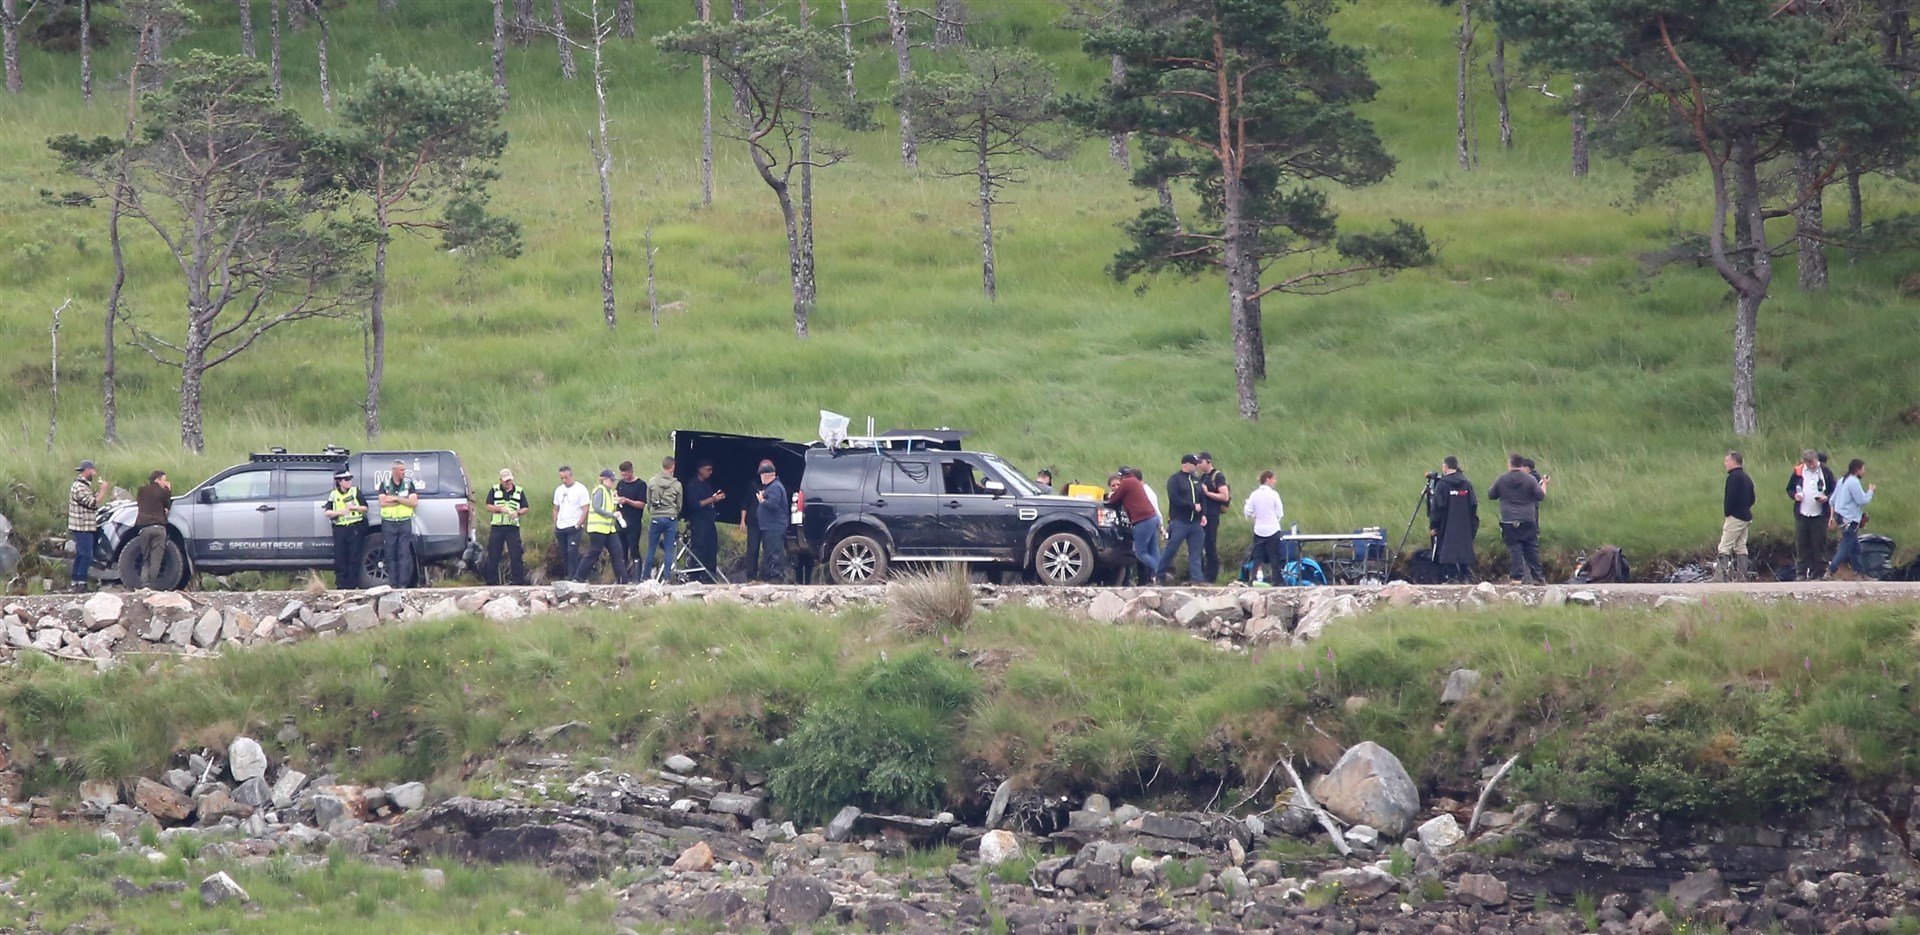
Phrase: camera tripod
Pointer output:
(686, 567)
(1424, 504)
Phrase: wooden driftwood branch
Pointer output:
(1304, 799)
(1487, 791)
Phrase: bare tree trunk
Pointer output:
(1465, 47)
(1579, 134)
(193, 372)
(388, 6)
(86, 50)
(246, 28)
(326, 76)
(603, 162)
(1809, 221)
(109, 364)
(297, 16)
(500, 48)
(1855, 216)
(706, 126)
(10, 43)
(53, 411)
(1117, 143)
(1500, 90)
(808, 281)
(989, 280)
(897, 27)
(623, 14)
(567, 69)
(1751, 290)
(376, 335)
(1245, 379)
(798, 268)
(653, 297)
(846, 42)
(523, 22)
(949, 24)
(739, 93)
(273, 47)
(1165, 191)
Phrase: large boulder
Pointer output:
(1370, 787)
(795, 901)
(161, 801)
(1321, 608)
(998, 847)
(246, 760)
(101, 610)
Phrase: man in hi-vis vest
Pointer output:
(506, 504)
(399, 497)
(603, 532)
(347, 511)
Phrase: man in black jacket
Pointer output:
(1738, 506)
(1186, 520)
(1215, 496)
(1519, 495)
(1453, 519)
(1809, 487)
(772, 511)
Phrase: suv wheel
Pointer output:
(857, 560)
(373, 565)
(133, 567)
(1064, 559)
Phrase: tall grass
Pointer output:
(1536, 331)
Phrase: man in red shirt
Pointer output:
(1128, 495)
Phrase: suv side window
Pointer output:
(907, 477)
(965, 476)
(246, 485)
(308, 485)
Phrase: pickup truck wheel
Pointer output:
(857, 560)
(1064, 559)
(373, 565)
(133, 568)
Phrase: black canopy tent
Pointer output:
(736, 464)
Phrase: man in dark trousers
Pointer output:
(631, 491)
(506, 506)
(701, 495)
(1214, 494)
(346, 510)
(1737, 505)
(1519, 495)
(774, 512)
(1810, 488)
(399, 498)
(1127, 494)
(1186, 520)
(750, 529)
(150, 527)
(1453, 519)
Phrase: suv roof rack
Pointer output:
(278, 454)
(901, 442)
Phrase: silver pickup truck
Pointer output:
(265, 515)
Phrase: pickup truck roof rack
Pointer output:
(279, 455)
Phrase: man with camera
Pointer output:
(1453, 519)
(1519, 495)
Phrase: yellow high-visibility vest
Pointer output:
(512, 502)
(399, 512)
(339, 500)
(602, 500)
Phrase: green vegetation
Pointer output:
(1535, 330)
(1724, 709)
(64, 878)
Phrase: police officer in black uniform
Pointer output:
(347, 511)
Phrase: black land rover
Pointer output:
(864, 508)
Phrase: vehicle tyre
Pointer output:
(857, 560)
(1064, 559)
(133, 564)
(373, 564)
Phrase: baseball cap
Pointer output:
(85, 466)
(506, 474)
(766, 467)
(1189, 459)
(607, 472)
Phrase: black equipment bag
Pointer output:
(1607, 565)
(1422, 569)
(1876, 556)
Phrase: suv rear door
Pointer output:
(302, 530)
(233, 517)
(906, 487)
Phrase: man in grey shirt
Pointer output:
(1519, 496)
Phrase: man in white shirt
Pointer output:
(570, 502)
(1265, 509)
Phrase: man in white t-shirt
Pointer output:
(570, 502)
(1265, 509)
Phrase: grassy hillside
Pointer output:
(1535, 332)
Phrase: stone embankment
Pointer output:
(101, 627)
(695, 851)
